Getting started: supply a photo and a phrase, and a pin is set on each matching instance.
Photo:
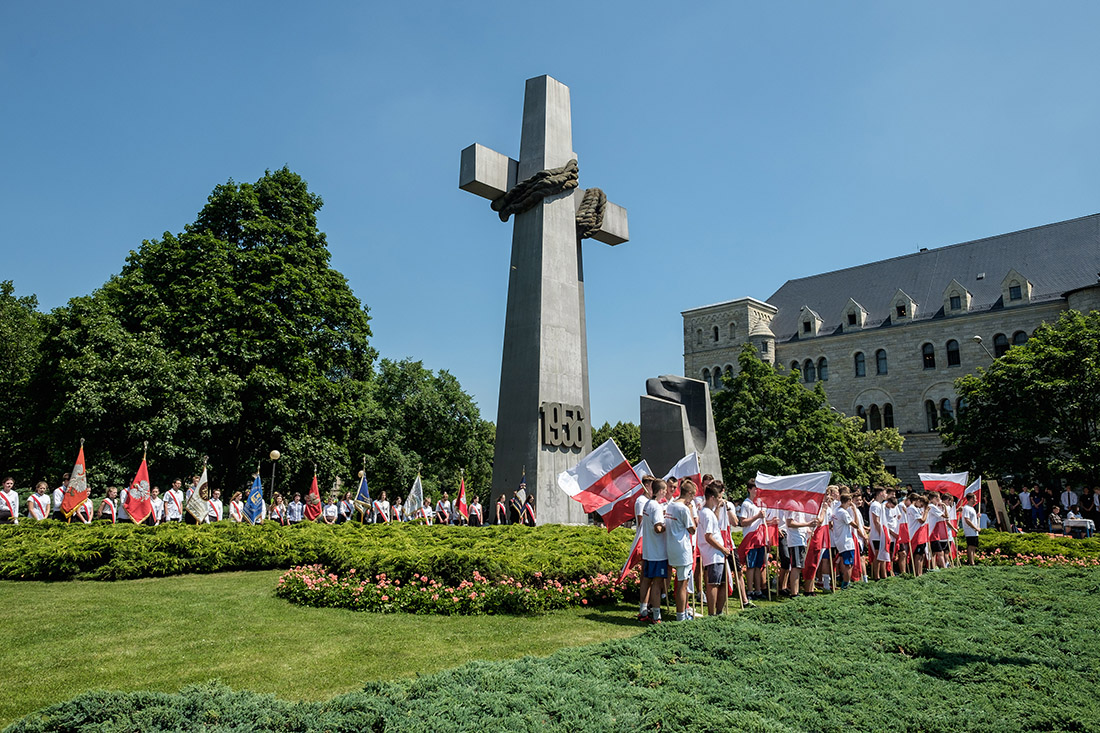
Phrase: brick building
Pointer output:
(889, 338)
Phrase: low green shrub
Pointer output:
(994, 649)
(1037, 543)
(50, 550)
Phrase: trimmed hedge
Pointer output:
(50, 550)
(1037, 543)
(988, 648)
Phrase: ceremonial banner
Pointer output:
(78, 487)
(313, 506)
(460, 505)
(363, 501)
(819, 541)
(802, 492)
(414, 505)
(754, 539)
(254, 506)
(196, 503)
(949, 483)
(686, 467)
(138, 503)
(600, 478)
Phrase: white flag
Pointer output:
(415, 502)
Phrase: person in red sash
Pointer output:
(529, 511)
(502, 511)
(38, 503)
(278, 509)
(9, 502)
(108, 508)
(477, 519)
(236, 507)
(156, 515)
(173, 502)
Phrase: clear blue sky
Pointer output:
(750, 142)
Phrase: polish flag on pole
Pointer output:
(971, 490)
(138, 503)
(619, 512)
(634, 558)
(77, 492)
(601, 477)
(945, 483)
(313, 507)
(802, 492)
(687, 467)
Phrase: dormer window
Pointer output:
(807, 326)
(956, 302)
(1014, 292)
(1015, 289)
(900, 308)
(852, 320)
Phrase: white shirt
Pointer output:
(158, 509)
(236, 511)
(708, 524)
(877, 510)
(748, 509)
(173, 504)
(678, 543)
(653, 544)
(12, 500)
(58, 497)
(935, 516)
(1025, 499)
(893, 515)
(329, 512)
(1069, 498)
(969, 514)
(86, 515)
(121, 505)
(912, 519)
(39, 505)
(841, 529)
(796, 536)
(217, 510)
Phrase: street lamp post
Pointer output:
(274, 455)
(978, 341)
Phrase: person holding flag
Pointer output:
(362, 500)
(518, 496)
(654, 553)
(253, 510)
(714, 555)
(842, 533)
(76, 491)
(197, 497)
(754, 545)
(136, 504)
(970, 526)
(59, 496)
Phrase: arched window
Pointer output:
(717, 373)
(945, 409)
(876, 418)
(953, 358)
(960, 406)
(887, 415)
(733, 330)
(728, 371)
(928, 352)
(796, 367)
(706, 376)
(823, 369)
(861, 364)
(862, 415)
(716, 333)
(931, 416)
(1019, 338)
(699, 337)
(809, 372)
(1000, 345)
(880, 361)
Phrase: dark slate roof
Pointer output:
(1055, 258)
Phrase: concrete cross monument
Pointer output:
(543, 413)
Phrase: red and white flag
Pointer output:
(620, 511)
(460, 504)
(139, 504)
(819, 541)
(971, 490)
(313, 507)
(601, 477)
(686, 467)
(802, 492)
(945, 483)
(634, 558)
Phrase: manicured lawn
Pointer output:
(61, 639)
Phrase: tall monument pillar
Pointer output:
(543, 423)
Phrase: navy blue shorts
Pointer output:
(755, 557)
(655, 568)
(848, 557)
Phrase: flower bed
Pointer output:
(996, 557)
(314, 585)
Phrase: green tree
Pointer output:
(230, 339)
(22, 328)
(627, 436)
(1035, 412)
(427, 420)
(767, 421)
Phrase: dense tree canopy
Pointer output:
(768, 421)
(21, 330)
(627, 435)
(231, 339)
(1035, 412)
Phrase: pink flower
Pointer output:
(385, 598)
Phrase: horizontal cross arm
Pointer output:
(487, 173)
(614, 228)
